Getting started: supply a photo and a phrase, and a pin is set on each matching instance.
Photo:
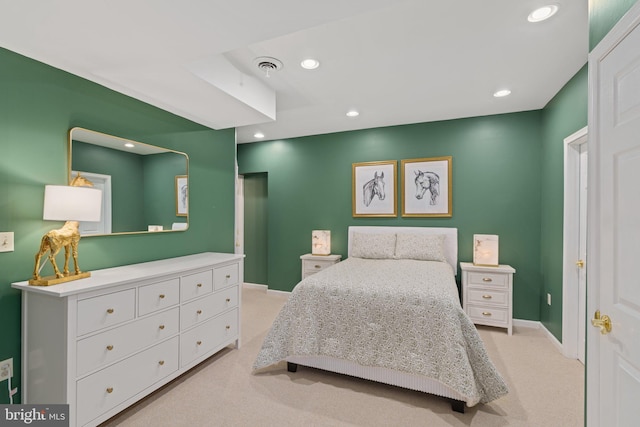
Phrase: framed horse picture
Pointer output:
(374, 189)
(426, 187)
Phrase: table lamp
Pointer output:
(74, 203)
(321, 242)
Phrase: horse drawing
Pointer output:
(66, 237)
(427, 181)
(374, 188)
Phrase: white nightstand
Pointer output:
(487, 294)
(311, 264)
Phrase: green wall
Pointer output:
(160, 171)
(496, 190)
(38, 106)
(565, 114)
(603, 15)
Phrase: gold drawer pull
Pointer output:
(228, 299)
(228, 327)
(487, 279)
(199, 311)
(486, 313)
(487, 296)
(109, 347)
(161, 326)
(110, 310)
(228, 276)
(161, 362)
(161, 296)
(199, 285)
(317, 266)
(199, 342)
(110, 390)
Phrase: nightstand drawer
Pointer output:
(488, 279)
(488, 315)
(488, 296)
(313, 266)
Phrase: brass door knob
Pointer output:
(580, 263)
(602, 322)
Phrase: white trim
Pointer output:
(534, 324)
(571, 242)
(276, 291)
(255, 286)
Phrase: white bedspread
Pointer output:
(403, 315)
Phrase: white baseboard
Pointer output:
(265, 288)
(534, 324)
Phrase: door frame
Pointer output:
(571, 242)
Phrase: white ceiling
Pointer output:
(395, 61)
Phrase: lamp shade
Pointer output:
(321, 242)
(67, 203)
(485, 250)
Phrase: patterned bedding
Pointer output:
(403, 315)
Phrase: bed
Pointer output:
(389, 313)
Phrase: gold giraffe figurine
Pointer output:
(66, 237)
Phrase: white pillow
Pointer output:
(425, 247)
(376, 246)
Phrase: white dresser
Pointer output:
(311, 264)
(487, 294)
(102, 343)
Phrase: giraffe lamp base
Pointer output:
(53, 280)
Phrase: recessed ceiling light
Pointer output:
(502, 93)
(258, 135)
(352, 113)
(129, 145)
(310, 64)
(542, 13)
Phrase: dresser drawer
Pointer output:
(486, 296)
(101, 349)
(489, 279)
(205, 337)
(106, 310)
(204, 308)
(98, 393)
(158, 296)
(488, 315)
(195, 285)
(225, 276)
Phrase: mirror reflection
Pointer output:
(144, 187)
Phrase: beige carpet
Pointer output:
(546, 389)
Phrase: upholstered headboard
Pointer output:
(450, 240)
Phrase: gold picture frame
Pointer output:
(374, 189)
(182, 195)
(427, 187)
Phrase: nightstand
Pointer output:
(311, 264)
(487, 294)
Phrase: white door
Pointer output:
(101, 182)
(613, 359)
(239, 239)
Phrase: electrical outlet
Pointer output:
(548, 299)
(6, 369)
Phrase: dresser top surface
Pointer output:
(125, 274)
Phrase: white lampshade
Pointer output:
(485, 250)
(321, 242)
(67, 203)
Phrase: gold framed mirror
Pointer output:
(145, 187)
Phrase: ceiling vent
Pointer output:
(267, 64)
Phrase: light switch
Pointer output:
(6, 241)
